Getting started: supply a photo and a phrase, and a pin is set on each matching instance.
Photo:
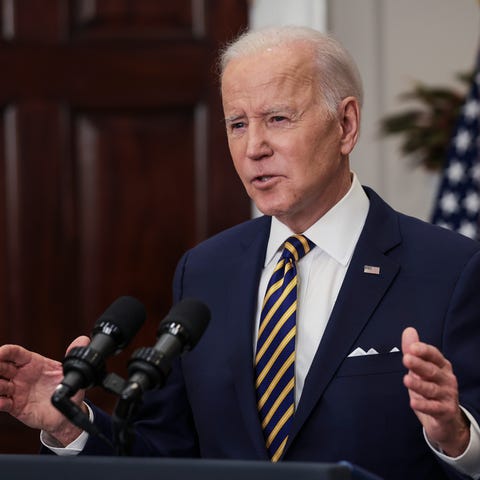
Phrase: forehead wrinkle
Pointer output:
(280, 108)
(268, 90)
(287, 79)
(300, 73)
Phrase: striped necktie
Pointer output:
(275, 355)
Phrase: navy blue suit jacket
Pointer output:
(351, 408)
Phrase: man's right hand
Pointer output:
(27, 382)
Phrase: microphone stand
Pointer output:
(125, 411)
(151, 364)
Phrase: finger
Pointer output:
(443, 386)
(7, 389)
(81, 341)
(7, 370)
(409, 336)
(422, 388)
(426, 406)
(425, 359)
(15, 354)
(437, 409)
(6, 404)
(411, 393)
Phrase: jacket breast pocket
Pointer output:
(376, 364)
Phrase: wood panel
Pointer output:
(130, 170)
(37, 246)
(148, 19)
(113, 162)
(4, 314)
(131, 77)
(39, 21)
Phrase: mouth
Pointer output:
(263, 178)
(264, 181)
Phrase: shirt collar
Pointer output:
(336, 233)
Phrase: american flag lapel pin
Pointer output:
(371, 269)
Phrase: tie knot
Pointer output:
(296, 247)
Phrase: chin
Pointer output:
(269, 205)
(272, 211)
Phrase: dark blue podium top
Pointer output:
(36, 467)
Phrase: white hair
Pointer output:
(338, 75)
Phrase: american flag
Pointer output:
(457, 205)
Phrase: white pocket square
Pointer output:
(359, 352)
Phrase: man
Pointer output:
(360, 275)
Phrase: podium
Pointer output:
(36, 467)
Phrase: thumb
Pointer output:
(409, 336)
(81, 341)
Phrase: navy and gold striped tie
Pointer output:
(275, 355)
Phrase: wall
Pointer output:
(398, 43)
(395, 44)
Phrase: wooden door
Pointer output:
(113, 162)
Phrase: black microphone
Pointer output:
(84, 367)
(180, 330)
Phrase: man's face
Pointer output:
(288, 151)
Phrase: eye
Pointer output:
(278, 119)
(237, 125)
(236, 128)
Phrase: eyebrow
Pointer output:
(233, 118)
(270, 111)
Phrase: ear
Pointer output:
(349, 116)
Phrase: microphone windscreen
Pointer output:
(193, 315)
(127, 314)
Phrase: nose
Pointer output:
(258, 146)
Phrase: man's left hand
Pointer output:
(433, 390)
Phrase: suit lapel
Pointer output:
(243, 294)
(358, 297)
